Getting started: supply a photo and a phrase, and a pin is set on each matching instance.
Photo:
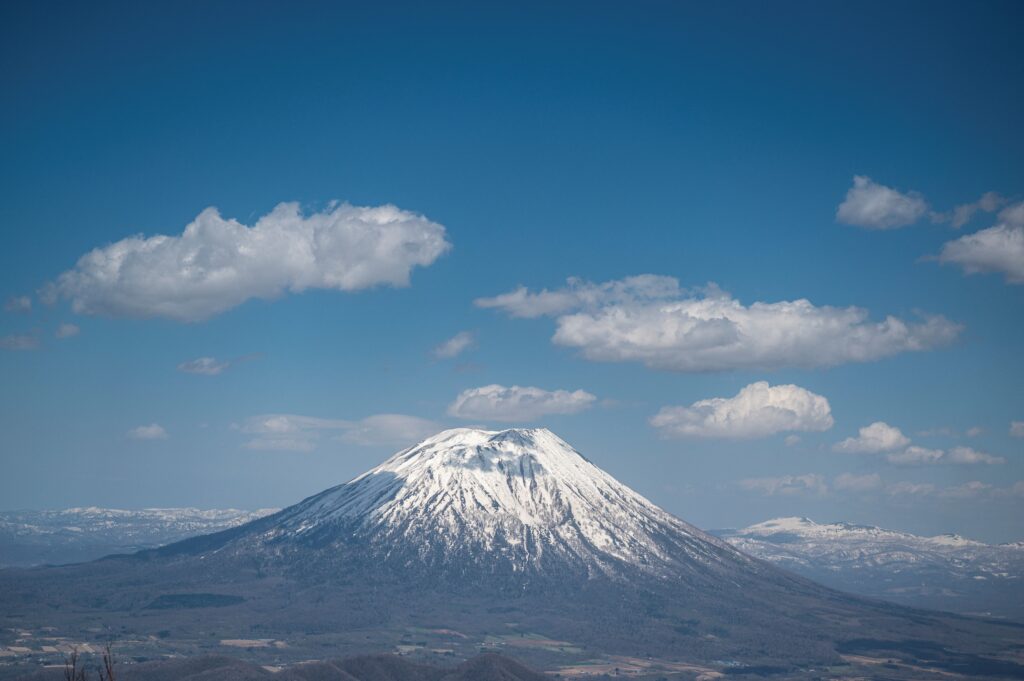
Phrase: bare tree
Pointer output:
(74, 666)
(72, 672)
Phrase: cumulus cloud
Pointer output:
(998, 249)
(787, 485)
(651, 320)
(758, 410)
(19, 341)
(851, 482)
(18, 304)
(915, 455)
(1017, 429)
(517, 403)
(66, 330)
(877, 437)
(875, 206)
(969, 455)
(968, 490)
(296, 433)
(455, 346)
(216, 264)
(205, 366)
(153, 431)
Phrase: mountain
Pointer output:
(487, 540)
(948, 572)
(79, 534)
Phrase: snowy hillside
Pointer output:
(947, 571)
(78, 534)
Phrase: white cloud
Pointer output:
(758, 410)
(962, 214)
(974, 431)
(998, 249)
(19, 341)
(915, 455)
(877, 437)
(206, 366)
(875, 206)
(455, 346)
(18, 304)
(905, 489)
(968, 490)
(67, 330)
(153, 431)
(787, 485)
(1017, 429)
(390, 429)
(792, 440)
(296, 433)
(517, 403)
(851, 482)
(579, 294)
(651, 320)
(968, 455)
(217, 264)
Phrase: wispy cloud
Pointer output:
(205, 366)
(650, 319)
(517, 403)
(455, 346)
(216, 264)
(19, 341)
(297, 433)
(18, 304)
(787, 485)
(758, 410)
(66, 330)
(153, 431)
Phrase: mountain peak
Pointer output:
(514, 499)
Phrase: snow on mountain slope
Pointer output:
(78, 534)
(515, 501)
(947, 571)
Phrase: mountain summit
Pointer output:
(518, 501)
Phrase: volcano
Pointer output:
(482, 536)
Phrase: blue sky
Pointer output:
(520, 146)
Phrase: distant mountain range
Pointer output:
(75, 535)
(946, 572)
(486, 540)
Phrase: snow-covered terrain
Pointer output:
(518, 499)
(946, 571)
(77, 534)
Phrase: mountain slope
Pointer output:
(516, 502)
(495, 540)
(946, 571)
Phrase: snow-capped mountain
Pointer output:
(491, 536)
(946, 571)
(77, 534)
(512, 501)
